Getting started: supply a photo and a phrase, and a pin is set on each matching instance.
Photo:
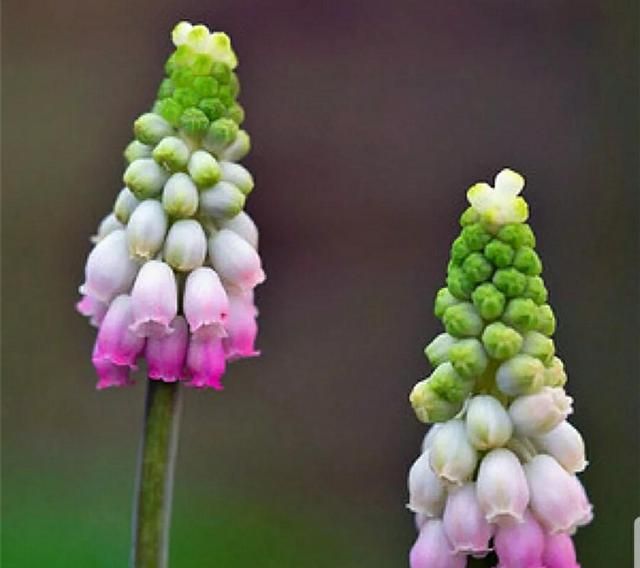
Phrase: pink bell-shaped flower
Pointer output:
(110, 374)
(205, 362)
(432, 549)
(205, 305)
(241, 326)
(115, 342)
(465, 523)
(520, 545)
(559, 552)
(166, 356)
(94, 309)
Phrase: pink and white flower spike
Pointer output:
(497, 475)
(172, 271)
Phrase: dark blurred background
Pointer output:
(369, 120)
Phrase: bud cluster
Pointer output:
(171, 276)
(498, 469)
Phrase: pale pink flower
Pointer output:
(520, 545)
(205, 305)
(559, 552)
(465, 523)
(235, 260)
(241, 326)
(110, 374)
(432, 549)
(94, 309)
(154, 300)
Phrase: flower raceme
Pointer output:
(498, 467)
(172, 273)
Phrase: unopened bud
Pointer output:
(539, 346)
(237, 175)
(186, 245)
(145, 178)
(136, 150)
(488, 423)
(146, 229)
(172, 153)
(203, 168)
(150, 128)
(462, 320)
(438, 350)
(452, 456)
(501, 341)
(468, 358)
(519, 375)
(180, 196)
(238, 149)
(125, 204)
(537, 414)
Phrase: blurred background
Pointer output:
(369, 120)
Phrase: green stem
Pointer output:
(154, 484)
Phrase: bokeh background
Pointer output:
(369, 120)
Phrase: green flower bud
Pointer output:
(438, 350)
(536, 290)
(182, 77)
(222, 132)
(477, 267)
(222, 201)
(521, 313)
(459, 250)
(539, 346)
(221, 72)
(203, 168)
(468, 358)
(194, 122)
(186, 97)
(501, 341)
(429, 406)
(520, 375)
(475, 236)
(172, 153)
(145, 178)
(469, 217)
(546, 320)
(125, 204)
(459, 284)
(517, 235)
(236, 113)
(205, 86)
(238, 149)
(449, 385)
(462, 320)
(170, 110)
(136, 150)
(237, 175)
(150, 128)
(166, 89)
(180, 196)
(510, 281)
(213, 108)
(500, 254)
(489, 301)
(554, 374)
(527, 261)
(444, 299)
(201, 64)
(225, 93)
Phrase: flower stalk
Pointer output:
(156, 468)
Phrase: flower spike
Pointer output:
(498, 467)
(171, 276)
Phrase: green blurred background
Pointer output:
(369, 120)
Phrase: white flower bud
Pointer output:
(244, 226)
(145, 178)
(172, 153)
(136, 150)
(146, 229)
(537, 414)
(566, 445)
(109, 270)
(235, 260)
(150, 128)
(452, 456)
(203, 168)
(180, 33)
(488, 423)
(186, 245)
(428, 437)
(180, 196)
(125, 204)
(222, 201)
(237, 175)
(109, 224)
(438, 350)
(521, 374)
(427, 494)
(238, 149)
(502, 487)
